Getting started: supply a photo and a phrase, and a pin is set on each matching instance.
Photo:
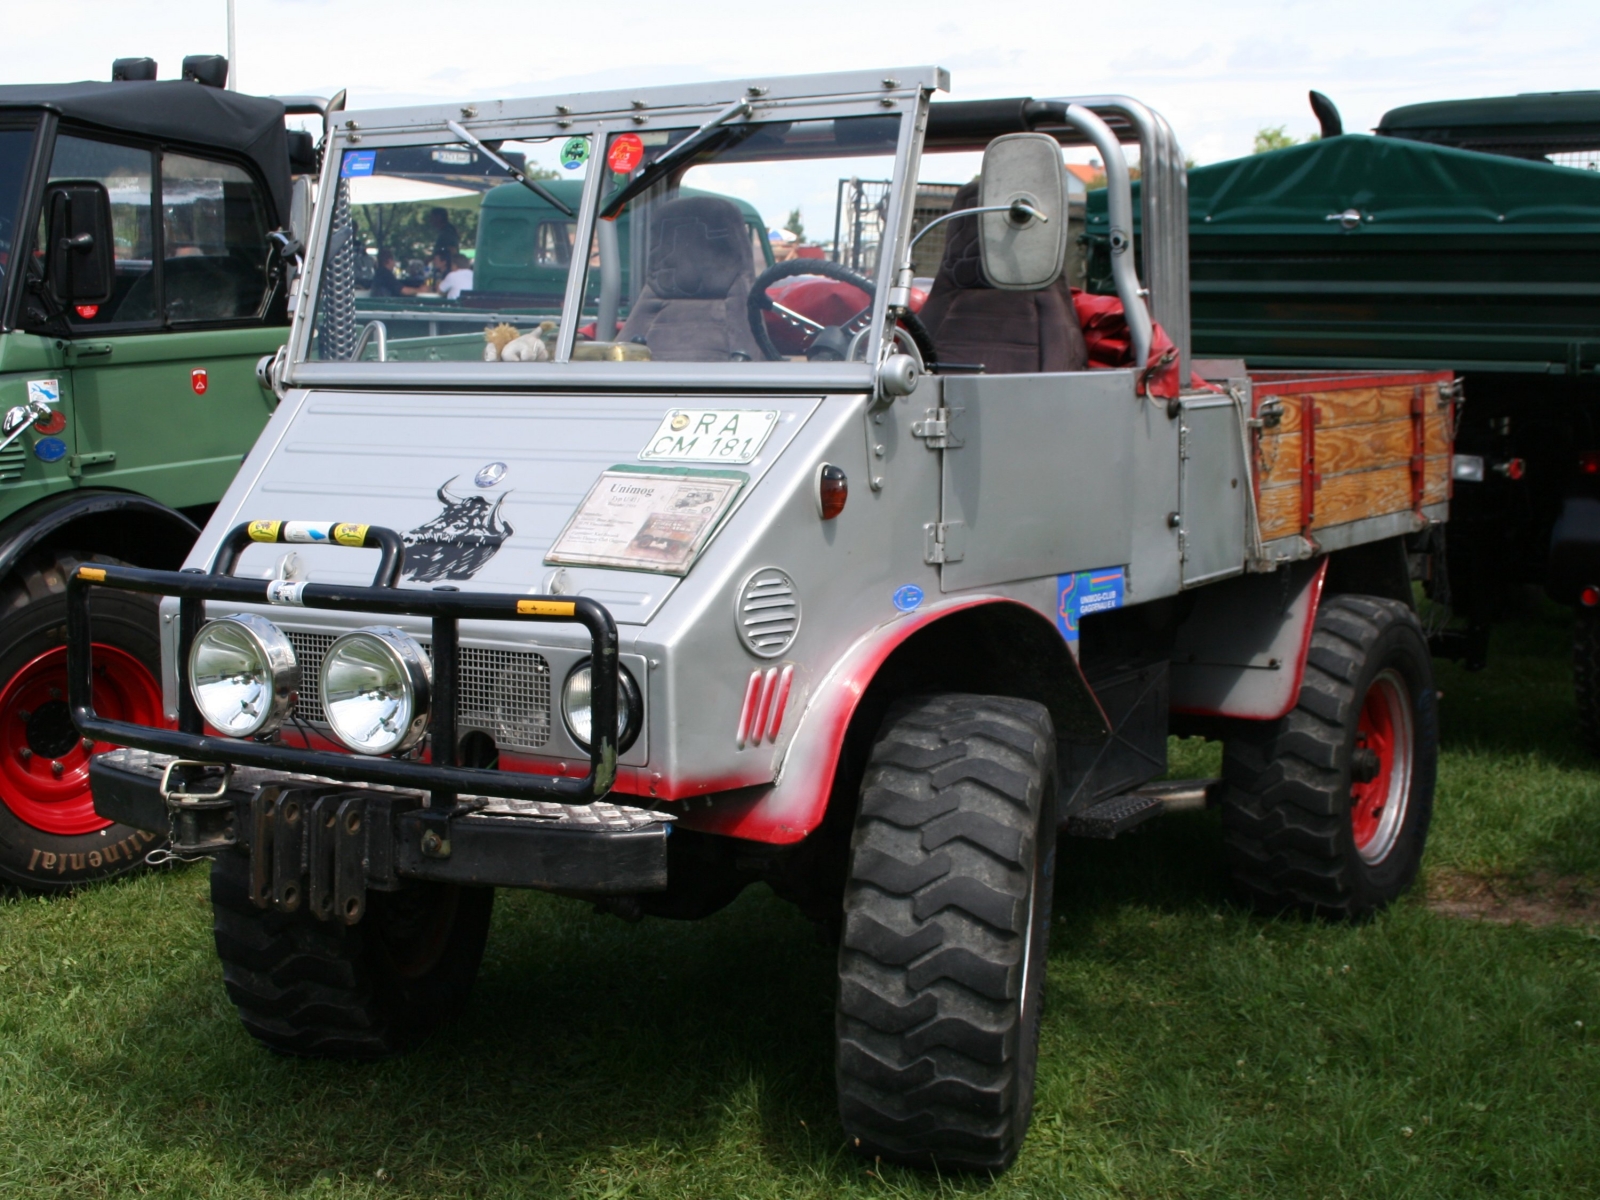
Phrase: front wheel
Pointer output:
(365, 991)
(1327, 809)
(51, 839)
(947, 924)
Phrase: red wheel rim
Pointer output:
(44, 764)
(1382, 754)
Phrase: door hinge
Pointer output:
(1183, 442)
(935, 428)
(1183, 545)
(944, 541)
(77, 462)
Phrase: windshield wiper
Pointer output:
(652, 174)
(532, 185)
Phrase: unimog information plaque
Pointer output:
(645, 522)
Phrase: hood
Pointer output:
(480, 487)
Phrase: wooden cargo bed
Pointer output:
(1342, 446)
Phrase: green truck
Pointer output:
(144, 272)
(1461, 234)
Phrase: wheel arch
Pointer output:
(991, 645)
(125, 525)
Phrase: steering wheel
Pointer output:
(829, 343)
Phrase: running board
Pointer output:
(1118, 814)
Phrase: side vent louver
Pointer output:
(769, 612)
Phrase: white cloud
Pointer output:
(1218, 71)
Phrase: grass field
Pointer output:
(1189, 1048)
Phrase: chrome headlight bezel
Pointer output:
(278, 665)
(630, 707)
(414, 671)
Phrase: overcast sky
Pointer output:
(1218, 71)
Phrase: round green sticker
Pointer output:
(574, 153)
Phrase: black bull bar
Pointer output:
(438, 785)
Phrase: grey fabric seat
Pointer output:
(697, 284)
(1010, 333)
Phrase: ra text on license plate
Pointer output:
(728, 435)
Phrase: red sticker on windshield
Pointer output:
(625, 154)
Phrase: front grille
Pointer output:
(505, 693)
(308, 651)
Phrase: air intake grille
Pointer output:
(308, 651)
(769, 612)
(12, 459)
(505, 693)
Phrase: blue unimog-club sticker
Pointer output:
(357, 163)
(1086, 592)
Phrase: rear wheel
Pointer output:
(50, 837)
(947, 923)
(329, 990)
(1327, 810)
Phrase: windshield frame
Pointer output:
(41, 124)
(598, 116)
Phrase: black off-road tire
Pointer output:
(946, 931)
(50, 842)
(1301, 828)
(328, 990)
(1586, 678)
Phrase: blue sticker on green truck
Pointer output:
(1087, 592)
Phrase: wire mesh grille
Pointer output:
(505, 693)
(309, 649)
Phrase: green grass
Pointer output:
(1189, 1048)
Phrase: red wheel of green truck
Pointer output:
(1381, 767)
(50, 836)
(44, 763)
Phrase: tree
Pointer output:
(1277, 137)
(794, 225)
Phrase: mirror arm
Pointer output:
(1020, 211)
(462, 134)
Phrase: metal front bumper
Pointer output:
(322, 843)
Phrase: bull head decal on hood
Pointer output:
(459, 542)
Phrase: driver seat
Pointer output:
(697, 285)
(1009, 332)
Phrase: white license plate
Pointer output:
(728, 435)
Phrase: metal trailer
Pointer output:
(1458, 236)
(864, 625)
(128, 354)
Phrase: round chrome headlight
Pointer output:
(243, 674)
(375, 690)
(575, 697)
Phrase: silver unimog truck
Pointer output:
(862, 589)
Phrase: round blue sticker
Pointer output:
(908, 598)
(50, 449)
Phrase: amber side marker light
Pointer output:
(833, 489)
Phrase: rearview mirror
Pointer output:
(1024, 246)
(79, 240)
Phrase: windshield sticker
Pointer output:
(460, 541)
(50, 449)
(1084, 593)
(645, 522)
(357, 163)
(574, 152)
(627, 151)
(731, 435)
